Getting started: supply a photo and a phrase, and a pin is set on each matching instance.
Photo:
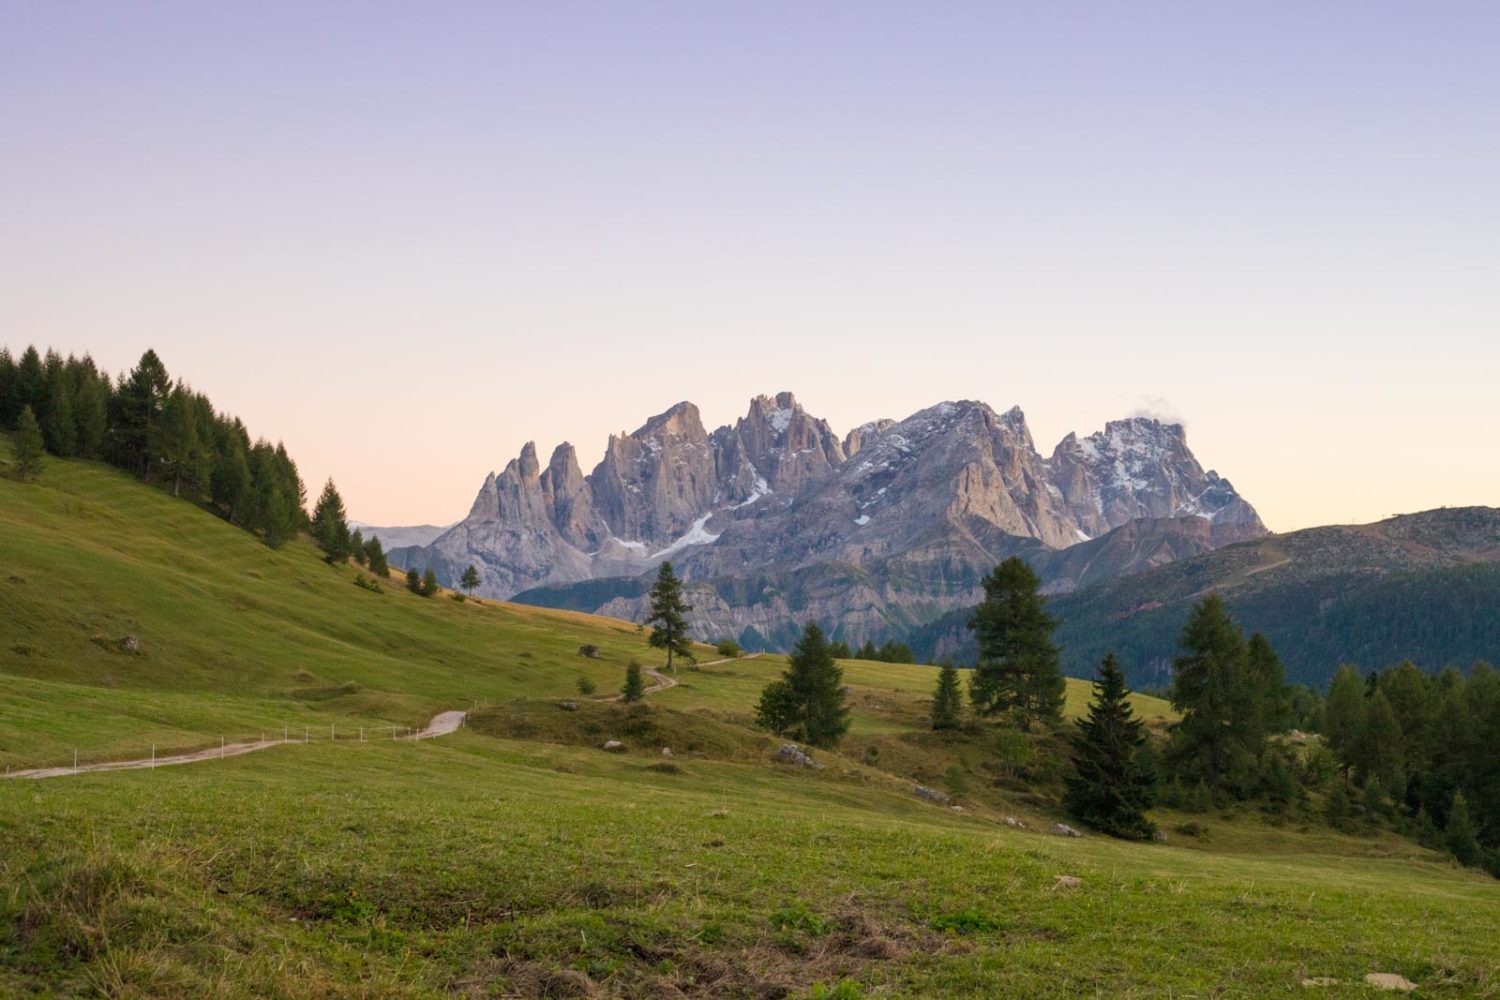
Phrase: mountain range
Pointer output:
(776, 519)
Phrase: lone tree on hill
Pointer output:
(429, 583)
(1018, 671)
(29, 447)
(948, 699)
(807, 703)
(668, 618)
(1113, 786)
(470, 579)
(330, 527)
(635, 688)
(414, 581)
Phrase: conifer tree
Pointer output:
(1378, 746)
(668, 617)
(635, 687)
(139, 402)
(30, 384)
(330, 526)
(414, 581)
(10, 402)
(1344, 716)
(1112, 787)
(59, 421)
(1018, 670)
(1221, 736)
(29, 446)
(1460, 836)
(807, 702)
(840, 650)
(357, 547)
(429, 583)
(470, 579)
(175, 443)
(91, 409)
(948, 699)
(375, 554)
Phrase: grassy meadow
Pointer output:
(515, 858)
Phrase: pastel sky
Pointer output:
(408, 237)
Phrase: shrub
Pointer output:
(366, 583)
(586, 687)
(728, 647)
(457, 597)
(589, 650)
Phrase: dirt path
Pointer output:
(441, 725)
(663, 681)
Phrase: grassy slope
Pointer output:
(514, 858)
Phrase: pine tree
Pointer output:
(330, 527)
(29, 446)
(357, 547)
(375, 553)
(1112, 788)
(668, 617)
(807, 703)
(1268, 695)
(229, 481)
(139, 402)
(1018, 670)
(30, 384)
(414, 581)
(10, 402)
(470, 579)
(840, 650)
(429, 583)
(867, 651)
(947, 700)
(1460, 836)
(91, 409)
(635, 687)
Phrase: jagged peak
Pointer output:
(679, 417)
(529, 466)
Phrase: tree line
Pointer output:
(155, 428)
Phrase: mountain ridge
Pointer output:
(920, 507)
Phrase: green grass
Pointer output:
(515, 858)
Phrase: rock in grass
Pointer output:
(1390, 981)
(1067, 882)
(613, 746)
(1320, 981)
(569, 706)
(790, 753)
(1014, 823)
(1064, 830)
(931, 795)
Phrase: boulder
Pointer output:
(666, 751)
(932, 795)
(613, 746)
(1064, 830)
(1014, 823)
(790, 753)
(1067, 882)
(569, 706)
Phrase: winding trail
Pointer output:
(663, 681)
(441, 725)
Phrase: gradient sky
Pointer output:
(406, 238)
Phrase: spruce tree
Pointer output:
(142, 395)
(807, 702)
(29, 446)
(470, 579)
(635, 688)
(357, 547)
(1112, 786)
(429, 583)
(668, 617)
(59, 421)
(947, 700)
(414, 581)
(90, 409)
(330, 526)
(10, 402)
(1019, 670)
(1378, 747)
(375, 554)
(175, 443)
(1220, 738)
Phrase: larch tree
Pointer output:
(947, 699)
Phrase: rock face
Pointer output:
(774, 520)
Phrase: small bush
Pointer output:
(586, 687)
(728, 647)
(970, 921)
(590, 650)
(457, 597)
(366, 583)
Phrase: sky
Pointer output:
(408, 238)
